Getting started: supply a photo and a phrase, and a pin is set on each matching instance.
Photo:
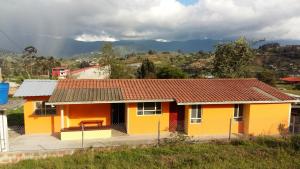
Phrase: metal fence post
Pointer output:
(158, 133)
(294, 124)
(230, 123)
(82, 130)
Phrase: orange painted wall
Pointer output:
(73, 115)
(79, 112)
(215, 121)
(264, 119)
(35, 124)
(146, 124)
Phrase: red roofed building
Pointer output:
(291, 80)
(60, 72)
(197, 107)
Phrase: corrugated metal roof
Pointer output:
(183, 91)
(36, 88)
(86, 95)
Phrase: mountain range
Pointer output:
(60, 47)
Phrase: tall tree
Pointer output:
(118, 69)
(147, 70)
(108, 53)
(231, 59)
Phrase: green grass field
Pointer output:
(261, 153)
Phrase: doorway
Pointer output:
(118, 113)
(176, 120)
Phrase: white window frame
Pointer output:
(239, 107)
(43, 111)
(156, 110)
(196, 120)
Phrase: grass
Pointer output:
(259, 153)
(15, 117)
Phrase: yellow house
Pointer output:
(197, 107)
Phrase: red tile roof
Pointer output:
(291, 79)
(83, 69)
(183, 91)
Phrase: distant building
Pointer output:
(60, 72)
(93, 72)
(291, 80)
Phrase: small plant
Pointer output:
(295, 141)
(283, 131)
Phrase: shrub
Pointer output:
(271, 142)
(295, 141)
(238, 142)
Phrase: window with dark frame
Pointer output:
(42, 109)
(149, 108)
(238, 112)
(196, 114)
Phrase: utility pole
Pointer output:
(1, 79)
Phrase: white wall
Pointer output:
(3, 132)
(93, 73)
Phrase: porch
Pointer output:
(91, 121)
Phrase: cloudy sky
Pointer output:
(110, 20)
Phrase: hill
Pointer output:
(49, 46)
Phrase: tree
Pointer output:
(267, 76)
(169, 72)
(147, 70)
(232, 59)
(152, 52)
(84, 64)
(119, 70)
(108, 53)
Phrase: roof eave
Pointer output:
(112, 101)
(238, 102)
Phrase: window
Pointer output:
(42, 109)
(149, 108)
(238, 112)
(196, 114)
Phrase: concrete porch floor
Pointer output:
(42, 142)
(47, 142)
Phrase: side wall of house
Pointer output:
(258, 119)
(215, 121)
(267, 119)
(146, 124)
(36, 124)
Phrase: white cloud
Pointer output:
(152, 19)
(162, 40)
(94, 38)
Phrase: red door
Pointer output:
(176, 120)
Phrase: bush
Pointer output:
(271, 142)
(295, 141)
(238, 142)
(297, 87)
(169, 72)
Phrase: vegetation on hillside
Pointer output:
(235, 59)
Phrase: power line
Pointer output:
(11, 40)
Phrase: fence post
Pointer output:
(294, 123)
(158, 133)
(82, 131)
(230, 125)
